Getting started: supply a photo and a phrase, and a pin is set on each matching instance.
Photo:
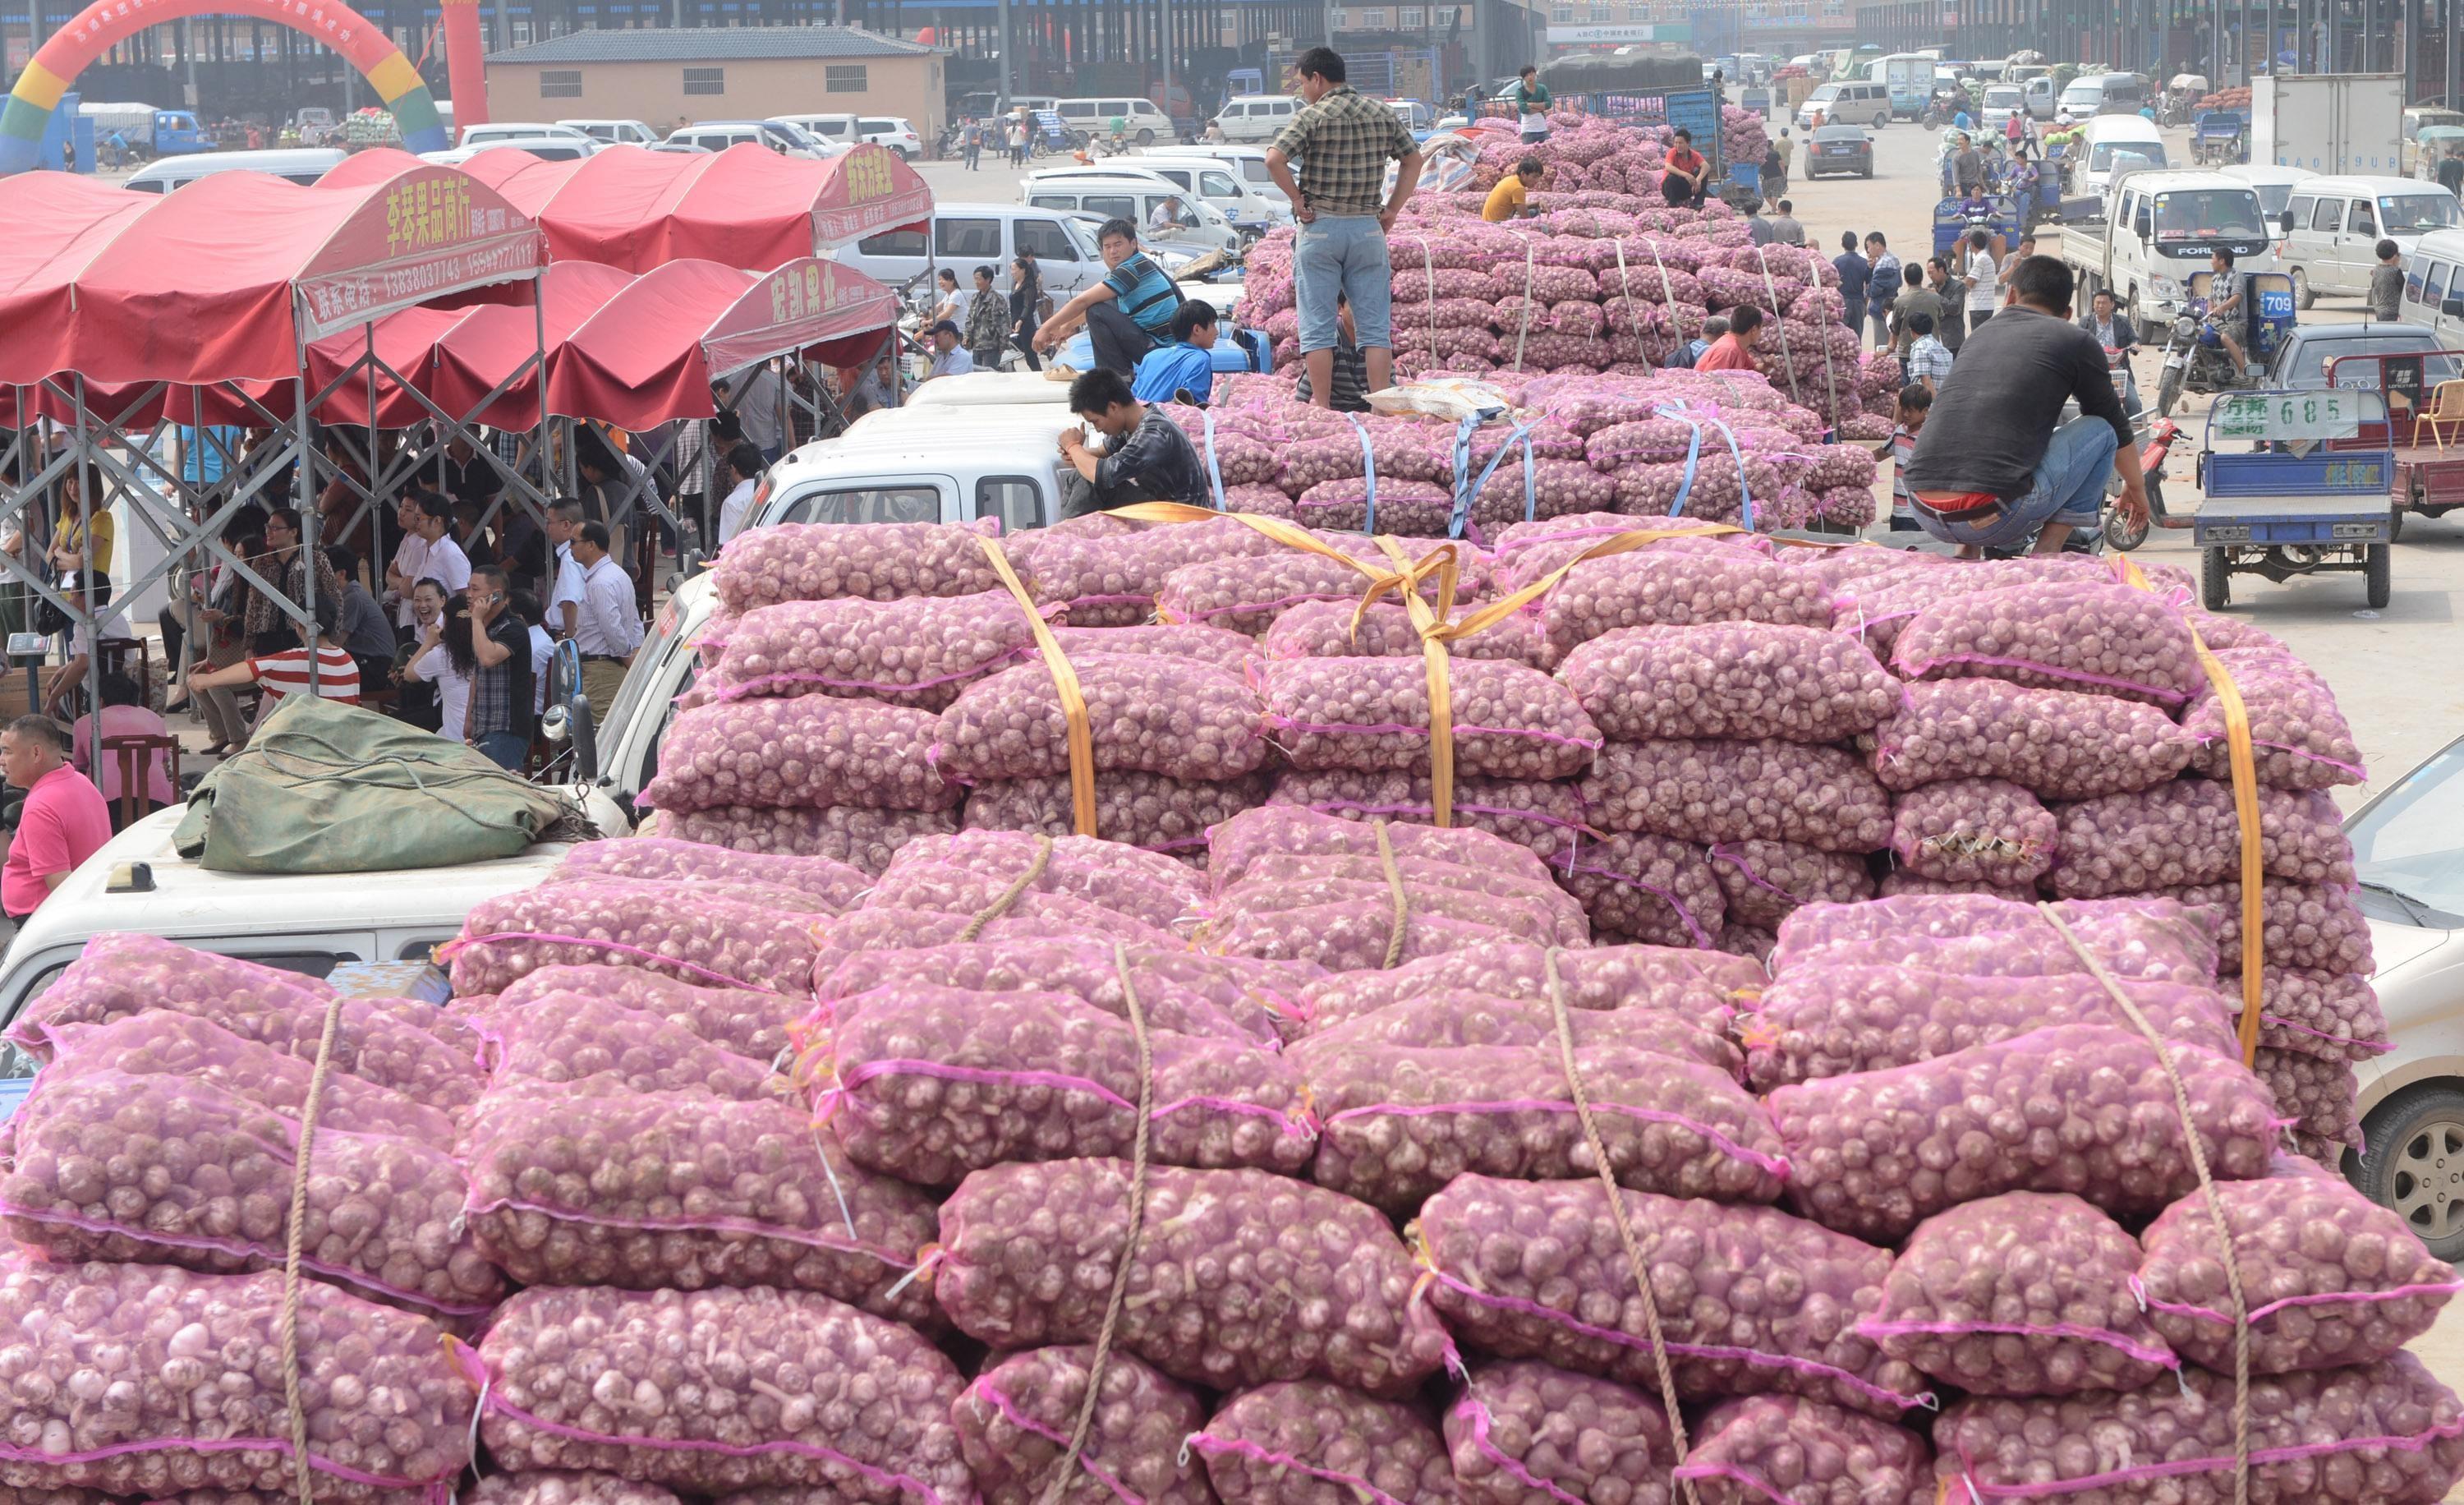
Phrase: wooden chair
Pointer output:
(2445, 410)
(116, 654)
(136, 753)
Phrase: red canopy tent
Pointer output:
(743, 206)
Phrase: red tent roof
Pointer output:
(221, 281)
(743, 206)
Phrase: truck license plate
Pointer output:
(2223, 534)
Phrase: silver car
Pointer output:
(2409, 847)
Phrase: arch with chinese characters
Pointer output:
(108, 22)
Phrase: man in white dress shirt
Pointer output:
(565, 572)
(610, 627)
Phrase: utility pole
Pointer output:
(1166, 50)
(1001, 42)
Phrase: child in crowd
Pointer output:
(1915, 402)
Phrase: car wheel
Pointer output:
(2378, 574)
(2215, 586)
(1146, 137)
(2302, 298)
(1868, 172)
(2414, 1164)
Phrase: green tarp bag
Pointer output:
(323, 787)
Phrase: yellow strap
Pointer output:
(1426, 621)
(2245, 787)
(1065, 683)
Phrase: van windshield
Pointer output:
(2209, 213)
(2416, 213)
(1254, 170)
(2099, 157)
(2087, 94)
(2002, 97)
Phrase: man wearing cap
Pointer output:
(950, 358)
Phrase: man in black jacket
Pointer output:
(1995, 463)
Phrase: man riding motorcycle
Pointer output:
(2228, 307)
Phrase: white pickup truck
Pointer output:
(2156, 229)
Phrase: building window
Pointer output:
(845, 79)
(705, 80)
(1373, 18)
(521, 33)
(1410, 18)
(560, 83)
(1342, 19)
(1561, 13)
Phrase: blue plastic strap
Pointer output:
(1744, 493)
(1464, 495)
(1461, 517)
(1368, 473)
(1693, 457)
(1214, 472)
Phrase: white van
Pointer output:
(546, 149)
(2332, 227)
(2433, 286)
(967, 235)
(848, 130)
(1220, 184)
(1142, 198)
(1862, 103)
(1147, 124)
(518, 130)
(616, 133)
(2109, 136)
(1251, 163)
(2101, 93)
(1256, 117)
(302, 164)
(786, 140)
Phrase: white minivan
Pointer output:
(1862, 103)
(1251, 163)
(2332, 227)
(1161, 208)
(892, 131)
(495, 131)
(302, 165)
(2433, 286)
(1220, 184)
(616, 133)
(2102, 94)
(1256, 117)
(1093, 118)
(2111, 136)
(967, 235)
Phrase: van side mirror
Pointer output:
(2452, 307)
(2284, 221)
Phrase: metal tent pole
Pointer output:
(88, 505)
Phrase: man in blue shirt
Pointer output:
(1856, 275)
(1187, 365)
(1126, 314)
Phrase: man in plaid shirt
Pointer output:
(1929, 358)
(1342, 141)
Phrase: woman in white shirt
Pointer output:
(954, 300)
(434, 663)
(1984, 279)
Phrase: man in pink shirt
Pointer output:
(62, 823)
(1733, 351)
(123, 716)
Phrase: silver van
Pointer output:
(2433, 286)
(302, 164)
(964, 236)
(1860, 103)
(1256, 117)
(2101, 93)
(1142, 198)
(2332, 227)
(1093, 118)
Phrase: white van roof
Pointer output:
(924, 429)
(2369, 185)
(2122, 128)
(2260, 174)
(283, 160)
(2446, 244)
(189, 904)
(985, 390)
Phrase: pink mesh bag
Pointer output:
(1524, 1433)
(1751, 1300)
(2387, 1433)
(1655, 890)
(194, 1051)
(2112, 639)
(948, 871)
(876, 561)
(1649, 586)
(1280, 831)
(1981, 935)
(2024, 1293)
(1401, 1121)
(549, 1044)
(1227, 1296)
(1221, 647)
(631, 1383)
(751, 1023)
(1073, 920)
(859, 836)
(1730, 679)
(1704, 790)
(2298, 738)
(1821, 1022)
(1693, 983)
(1765, 881)
(1326, 630)
(1112, 582)
(1017, 1417)
(1175, 717)
(1544, 816)
(1183, 992)
(2336, 1015)
(2186, 832)
(1249, 594)
(810, 750)
(1511, 721)
(630, 925)
(1305, 1442)
(2314, 926)
(909, 653)
(412, 1047)
(1146, 810)
(186, 1387)
(1799, 1452)
(2062, 744)
(554, 1487)
(666, 860)
(2329, 1277)
(1454, 1018)
(2079, 1108)
(928, 1083)
(1988, 831)
(109, 1166)
(1293, 880)
(684, 1192)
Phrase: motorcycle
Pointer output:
(2126, 533)
(2195, 359)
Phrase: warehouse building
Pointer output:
(666, 75)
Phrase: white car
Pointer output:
(495, 131)
(843, 130)
(779, 136)
(548, 148)
(616, 133)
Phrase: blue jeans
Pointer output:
(505, 749)
(1344, 254)
(2068, 487)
